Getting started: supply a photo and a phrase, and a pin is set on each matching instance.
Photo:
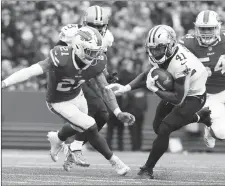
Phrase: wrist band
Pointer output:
(154, 89)
(127, 88)
(117, 111)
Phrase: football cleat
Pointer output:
(204, 115)
(145, 173)
(208, 139)
(56, 145)
(74, 157)
(120, 168)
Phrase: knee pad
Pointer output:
(164, 129)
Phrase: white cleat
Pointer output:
(121, 168)
(208, 139)
(75, 157)
(56, 145)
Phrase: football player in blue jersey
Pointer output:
(208, 44)
(96, 17)
(67, 68)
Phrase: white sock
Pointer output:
(76, 145)
(113, 159)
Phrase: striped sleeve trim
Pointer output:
(54, 59)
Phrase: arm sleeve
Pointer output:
(140, 80)
(24, 74)
(107, 94)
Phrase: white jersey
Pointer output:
(184, 63)
(69, 31)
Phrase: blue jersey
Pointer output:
(211, 57)
(64, 79)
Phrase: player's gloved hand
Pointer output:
(150, 82)
(112, 78)
(118, 89)
(3, 85)
(126, 118)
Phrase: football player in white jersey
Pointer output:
(67, 68)
(95, 17)
(178, 107)
(208, 44)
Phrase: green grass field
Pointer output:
(36, 168)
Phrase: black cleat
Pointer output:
(204, 115)
(145, 173)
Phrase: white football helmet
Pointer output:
(207, 27)
(97, 17)
(87, 44)
(68, 32)
(161, 43)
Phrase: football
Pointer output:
(165, 80)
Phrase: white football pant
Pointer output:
(74, 111)
(216, 103)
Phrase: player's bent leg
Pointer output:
(177, 118)
(56, 145)
(70, 112)
(74, 156)
(162, 110)
(217, 129)
(100, 114)
(159, 147)
(100, 144)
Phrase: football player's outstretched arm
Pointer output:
(138, 82)
(110, 99)
(26, 73)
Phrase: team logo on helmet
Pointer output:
(87, 44)
(161, 43)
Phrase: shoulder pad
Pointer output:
(107, 40)
(187, 41)
(59, 55)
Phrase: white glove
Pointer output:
(119, 89)
(150, 82)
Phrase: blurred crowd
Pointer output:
(30, 29)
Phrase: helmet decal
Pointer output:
(206, 17)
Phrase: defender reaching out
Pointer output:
(67, 68)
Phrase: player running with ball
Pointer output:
(178, 107)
